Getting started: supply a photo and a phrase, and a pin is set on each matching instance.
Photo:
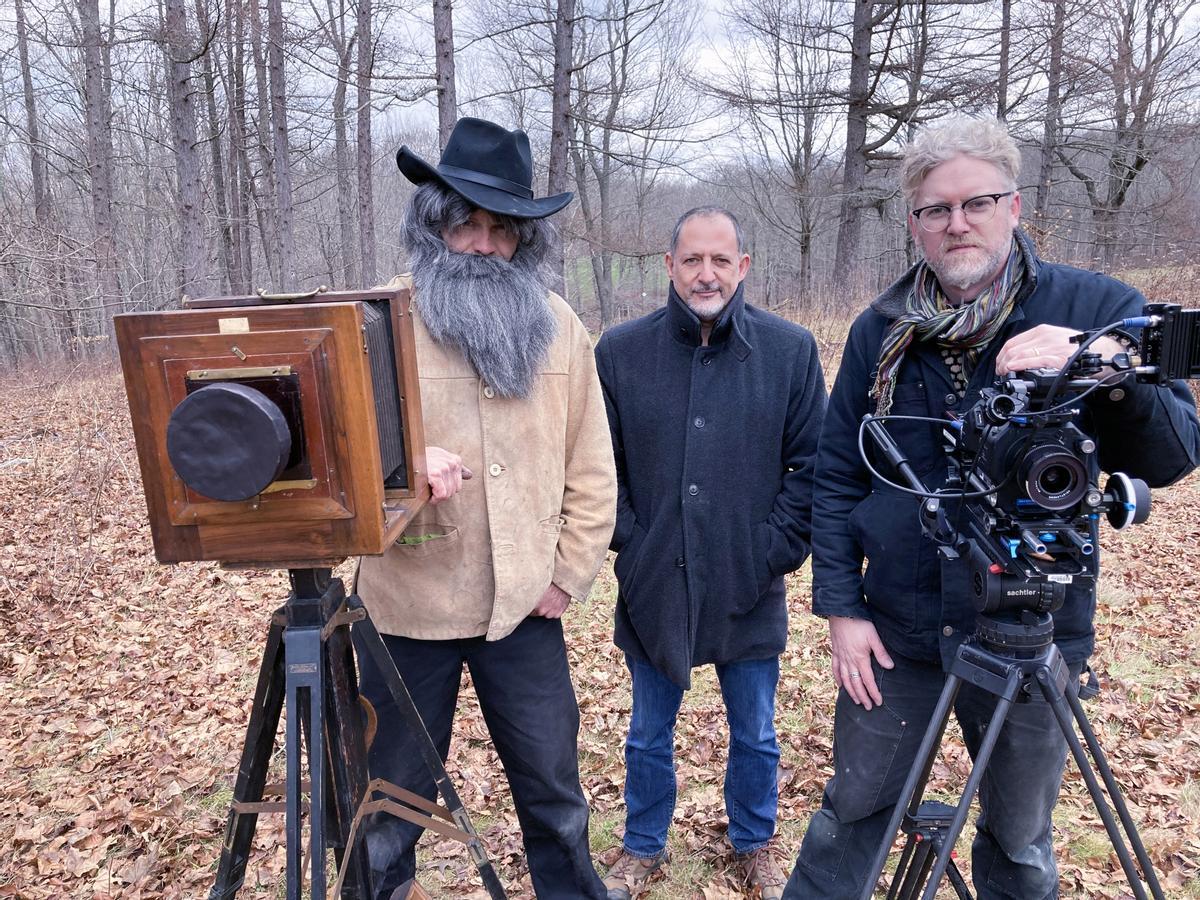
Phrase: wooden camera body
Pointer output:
(277, 431)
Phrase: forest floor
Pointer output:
(126, 688)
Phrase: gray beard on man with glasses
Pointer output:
(495, 310)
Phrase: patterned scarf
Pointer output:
(929, 316)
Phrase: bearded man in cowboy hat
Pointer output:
(484, 574)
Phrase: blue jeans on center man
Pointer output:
(1012, 855)
(751, 788)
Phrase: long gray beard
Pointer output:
(494, 310)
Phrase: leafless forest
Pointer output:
(152, 150)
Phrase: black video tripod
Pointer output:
(309, 661)
(1008, 658)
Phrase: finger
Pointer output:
(871, 688)
(880, 652)
(854, 686)
(467, 474)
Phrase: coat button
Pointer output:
(693, 490)
(699, 421)
(488, 392)
(495, 469)
(679, 562)
(951, 400)
(948, 631)
(707, 361)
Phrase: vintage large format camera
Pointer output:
(277, 430)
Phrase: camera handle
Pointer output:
(1008, 680)
(309, 663)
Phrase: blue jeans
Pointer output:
(525, 694)
(751, 788)
(1012, 855)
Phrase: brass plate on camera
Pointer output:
(243, 372)
(303, 484)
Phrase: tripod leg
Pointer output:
(914, 785)
(908, 880)
(906, 859)
(303, 665)
(957, 882)
(1060, 702)
(252, 771)
(1003, 705)
(383, 661)
(348, 758)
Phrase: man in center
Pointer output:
(715, 408)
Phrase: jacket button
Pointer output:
(495, 469)
(951, 400)
(707, 361)
(679, 562)
(693, 490)
(488, 392)
(699, 421)
(948, 631)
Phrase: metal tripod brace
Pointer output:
(1006, 678)
(309, 660)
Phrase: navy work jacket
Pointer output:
(715, 447)
(920, 611)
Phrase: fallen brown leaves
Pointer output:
(127, 685)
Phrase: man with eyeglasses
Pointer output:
(979, 304)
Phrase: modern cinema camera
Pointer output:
(1023, 498)
(1020, 507)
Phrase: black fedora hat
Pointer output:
(488, 165)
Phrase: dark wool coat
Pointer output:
(921, 611)
(714, 448)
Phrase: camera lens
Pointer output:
(1053, 477)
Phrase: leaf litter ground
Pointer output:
(127, 685)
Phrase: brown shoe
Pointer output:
(760, 869)
(630, 875)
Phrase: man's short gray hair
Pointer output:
(435, 208)
(708, 212)
(980, 137)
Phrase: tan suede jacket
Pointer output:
(540, 507)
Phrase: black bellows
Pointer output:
(381, 351)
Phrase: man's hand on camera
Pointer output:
(1047, 346)
(553, 604)
(854, 641)
(445, 472)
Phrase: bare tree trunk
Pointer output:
(366, 203)
(345, 197)
(37, 158)
(443, 54)
(1005, 52)
(220, 190)
(560, 132)
(240, 179)
(265, 204)
(97, 111)
(1053, 110)
(178, 51)
(279, 133)
(854, 170)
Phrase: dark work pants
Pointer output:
(1012, 855)
(525, 693)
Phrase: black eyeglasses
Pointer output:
(976, 210)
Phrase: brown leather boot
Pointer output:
(760, 869)
(630, 875)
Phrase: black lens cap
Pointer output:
(228, 441)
